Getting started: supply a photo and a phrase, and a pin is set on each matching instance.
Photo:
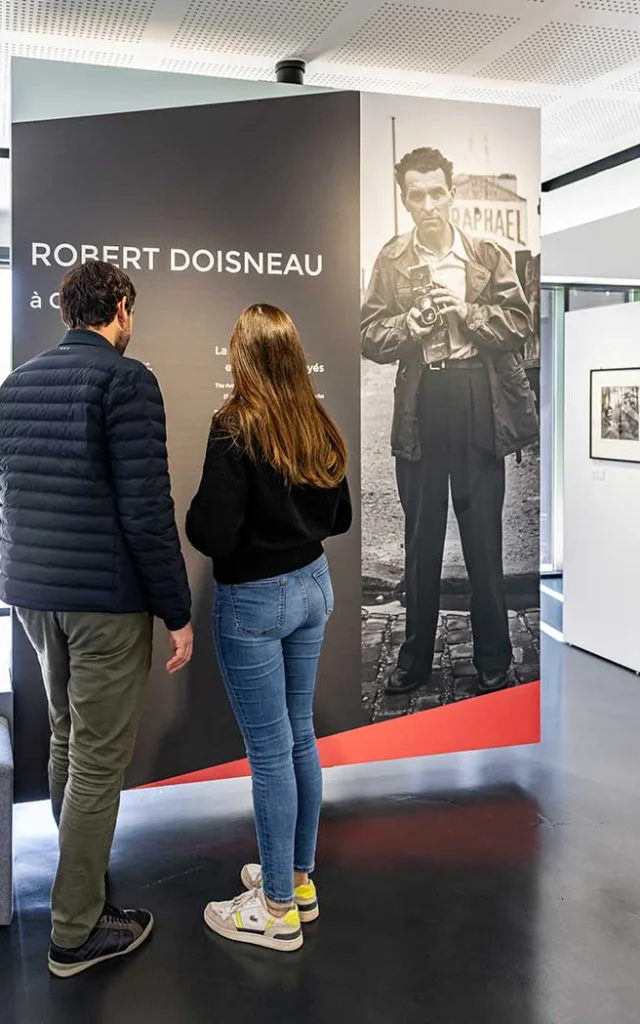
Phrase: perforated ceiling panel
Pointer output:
(117, 58)
(118, 21)
(594, 120)
(365, 83)
(509, 97)
(429, 39)
(611, 6)
(262, 73)
(631, 83)
(561, 54)
(276, 28)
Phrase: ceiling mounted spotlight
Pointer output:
(291, 72)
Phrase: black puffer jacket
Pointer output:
(86, 516)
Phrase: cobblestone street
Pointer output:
(454, 676)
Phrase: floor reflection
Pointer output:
(495, 887)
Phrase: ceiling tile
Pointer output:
(631, 83)
(593, 119)
(351, 80)
(218, 70)
(566, 54)
(427, 39)
(610, 6)
(510, 97)
(117, 21)
(269, 28)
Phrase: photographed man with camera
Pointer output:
(450, 311)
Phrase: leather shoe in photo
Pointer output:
(492, 682)
(401, 682)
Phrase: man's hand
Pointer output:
(182, 646)
(447, 302)
(417, 331)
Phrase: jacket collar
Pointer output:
(402, 251)
(457, 248)
(86, 337)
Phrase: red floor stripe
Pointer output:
(493, 832)
(502, 719)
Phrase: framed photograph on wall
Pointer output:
(615, 415)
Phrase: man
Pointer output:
(89, 553)
(462, 404)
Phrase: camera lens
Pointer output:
(429, 313)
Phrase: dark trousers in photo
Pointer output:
(457, 439)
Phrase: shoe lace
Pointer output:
(240, 902)
(113, 915)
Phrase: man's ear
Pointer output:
(122, 312)
(452, 192)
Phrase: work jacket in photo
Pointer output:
(498, 322)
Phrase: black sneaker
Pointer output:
(117, 933)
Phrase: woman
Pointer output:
(273, 488)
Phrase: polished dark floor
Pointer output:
(489, 888)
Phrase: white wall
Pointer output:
(591, 229)
(601, 499)
(606, 251)
(593, 198)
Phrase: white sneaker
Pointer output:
(306, 896)
(247, 918)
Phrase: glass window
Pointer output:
(5, 322)
(547, 303)
(552, 310)
(556, 300)
(588, 298)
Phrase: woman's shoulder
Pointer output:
(222, 442)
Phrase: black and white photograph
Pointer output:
(620, 413)
(615, 415)
(450, 377)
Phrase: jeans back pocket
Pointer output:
(259, 608)
(323, 579)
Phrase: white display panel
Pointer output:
(601, 499)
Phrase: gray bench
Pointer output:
(6, 813)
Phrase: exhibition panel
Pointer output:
(467, 186)
(213, 207)
(210, 208)
(602, 477)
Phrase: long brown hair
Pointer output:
(273, 410)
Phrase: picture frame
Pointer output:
(615, 415)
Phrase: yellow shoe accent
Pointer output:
(306, 896)
(306, 892)
(307, 900)
(239, 924)
(292, 918)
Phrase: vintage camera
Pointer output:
(437, 346)
(421, 287)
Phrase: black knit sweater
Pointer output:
(252, 524)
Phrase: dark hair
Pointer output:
(424, 160)
(89, 294)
